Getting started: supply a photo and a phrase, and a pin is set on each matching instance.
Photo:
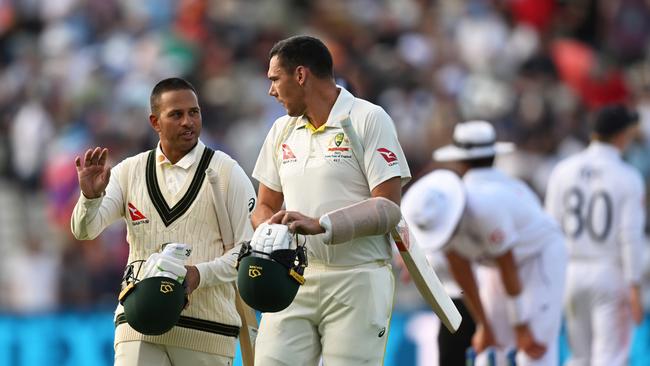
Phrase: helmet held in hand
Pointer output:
(268, 281)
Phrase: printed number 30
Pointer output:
(574, 211)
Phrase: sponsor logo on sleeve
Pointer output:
(388, 155)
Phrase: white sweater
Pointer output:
(137, 194)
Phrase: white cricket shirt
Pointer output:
(502, 214)
(412, 203)
(599, 200)
(317, 171)
(137, 192)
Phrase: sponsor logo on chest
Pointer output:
(137, 217)
(287, 154)
(338, 147)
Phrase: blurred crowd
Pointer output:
(78, 73)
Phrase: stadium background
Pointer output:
(77, 73)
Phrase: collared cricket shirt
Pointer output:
(317, 171)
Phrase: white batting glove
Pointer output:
(178, 251)
(150, 266)
(170, 262)
(171, 268)
(270, 237)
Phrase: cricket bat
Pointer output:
(248, 331)
(218, 180)
(425, 277)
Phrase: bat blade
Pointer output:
(425, 278)
(248, 331)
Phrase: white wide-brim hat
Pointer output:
(433, 206)
(473, 140)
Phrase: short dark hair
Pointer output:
(612, 119)
(166, 85)
(304, 51)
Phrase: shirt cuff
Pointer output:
(91, 202)
(219, 271)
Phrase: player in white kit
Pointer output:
(421, 205)
(599, 200)
(308, 166)
(516, 296)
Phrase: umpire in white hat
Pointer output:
(518, 250)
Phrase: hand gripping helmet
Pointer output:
(153, 305)
(268, 280)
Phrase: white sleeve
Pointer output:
(219, 271)
(552, 203)
(494, 226)
(383, 155)
(240, 202)
(91, 216)
(266, 168)
(631, 229)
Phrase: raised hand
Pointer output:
(93, 173)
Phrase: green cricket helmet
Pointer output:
(269, 282)
(153, 305)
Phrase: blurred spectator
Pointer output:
(30, 131)
(36, 272)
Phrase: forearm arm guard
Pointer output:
(374, 216)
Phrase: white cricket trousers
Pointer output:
(341, 313)
(139, 353)
(542, 278)
(598, 315)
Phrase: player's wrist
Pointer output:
(92, 195)
(520, 328)
(484, 325)
(192, 279)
